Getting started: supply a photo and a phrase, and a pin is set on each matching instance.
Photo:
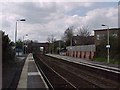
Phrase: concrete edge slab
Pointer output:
(78, 61)
(24, 75)
(23, 78)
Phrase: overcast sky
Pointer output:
(53, 18)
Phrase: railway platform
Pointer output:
(30, 76)
(101, 65)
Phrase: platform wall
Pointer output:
(84, 51)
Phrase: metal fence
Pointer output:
(91, 48)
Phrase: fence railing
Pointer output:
(90, 48)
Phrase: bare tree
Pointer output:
(84, 31)
(83, 37)
(51, 40)
(48, 39)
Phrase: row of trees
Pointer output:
(55, 46)
(7, 49)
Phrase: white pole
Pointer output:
(71, 42)
(108, 44)
(108, 40)
(59, 46)
(15, 37)
(23, 44)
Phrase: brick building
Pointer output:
(80, 40)
(85, 47)
(99, 35)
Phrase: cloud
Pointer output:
(52, 18)
(107, 16)
(60, 1)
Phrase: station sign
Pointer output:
(107, 46)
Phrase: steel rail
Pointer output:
(44, 76)
(60, 76)
(102, 67)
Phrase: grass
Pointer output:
(101, 59)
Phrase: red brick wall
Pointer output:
(80, 54)
(87, 55)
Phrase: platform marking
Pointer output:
(31, 60)
(23, 78)
(32, 73)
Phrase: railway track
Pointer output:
(53, 79)
(68, 75)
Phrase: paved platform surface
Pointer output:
(31, 77)
(79, 60)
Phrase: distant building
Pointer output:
(80, 40)
(102, 33)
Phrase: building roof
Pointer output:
(82, 36)
(107, 29)
(82, 40)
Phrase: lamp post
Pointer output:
(49, 41)
(24, 50)
(71, 41)
(108, 44)
(59, 46)
(52, 41)
(71, 38)
(16, 32)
